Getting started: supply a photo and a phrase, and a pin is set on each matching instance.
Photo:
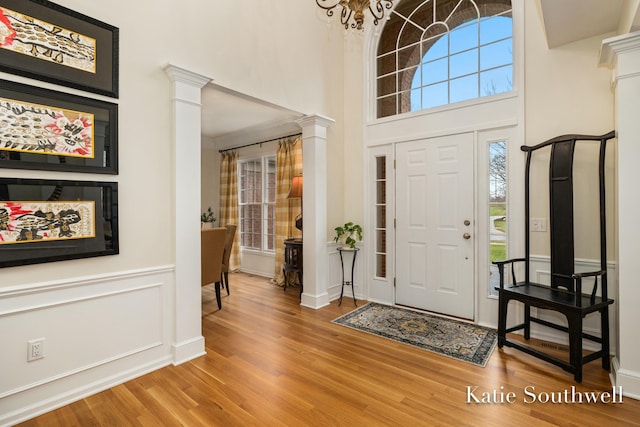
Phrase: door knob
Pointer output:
(466, 236)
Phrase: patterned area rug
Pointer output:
(459, 340)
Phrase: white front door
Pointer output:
(434, 225)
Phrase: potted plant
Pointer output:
(207, 218)
(347, 234)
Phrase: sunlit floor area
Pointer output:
(272, 362)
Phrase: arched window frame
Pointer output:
(396, 66)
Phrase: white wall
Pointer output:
(82, 307)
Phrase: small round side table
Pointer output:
(348, 282)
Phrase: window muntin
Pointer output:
(436, 54)
(257, 182)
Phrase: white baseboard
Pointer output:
(628, 380)
(60, 399)
(189, 350)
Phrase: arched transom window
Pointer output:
(438, 52)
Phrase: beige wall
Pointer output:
(228, 42)
(565, 93)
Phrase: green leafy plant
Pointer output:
(348, 233)
(208, 216)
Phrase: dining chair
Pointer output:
(211, 250)
(228, 246)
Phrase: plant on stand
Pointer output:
(207, 218)
(347, 235)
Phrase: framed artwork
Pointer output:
(46, 41)
(54, 220)
(50, 130)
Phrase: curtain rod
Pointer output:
(259, 143)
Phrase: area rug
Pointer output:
(453, 338)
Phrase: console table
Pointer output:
(292, 260)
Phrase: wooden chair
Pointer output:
(211, 249)
(228, 246)
(564, 294)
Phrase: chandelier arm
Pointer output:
(379, 12)
(351, 7)
(345, 17)
(329, 9)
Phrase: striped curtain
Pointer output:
(289, 164)
(229, 201)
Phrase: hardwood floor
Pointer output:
(272, 362)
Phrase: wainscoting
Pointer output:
(98, 331)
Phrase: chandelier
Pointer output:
(356, 8)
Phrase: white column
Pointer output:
(623, 52)
(188, 340)
(314, 206)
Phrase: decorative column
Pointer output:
(623, 53)
(188, 340)
(314, 201)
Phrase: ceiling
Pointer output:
(567, 21)
(227, 114)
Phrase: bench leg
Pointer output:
(527, 321)
(502, 319)
(604, 330)
(300, 277)
(575, 345)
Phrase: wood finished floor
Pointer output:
(272, 362)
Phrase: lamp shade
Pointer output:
(296, 188)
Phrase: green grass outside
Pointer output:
(500, 225)
(497, 251)
(498, 248)
(497, 210)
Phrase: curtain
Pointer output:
(229, 201)
(289, 164)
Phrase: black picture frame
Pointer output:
(37, 156)
(104, 52)
(104, 196)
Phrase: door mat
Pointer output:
(453, 338)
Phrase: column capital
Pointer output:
(315, 120)
(623, 54)
(182, 75)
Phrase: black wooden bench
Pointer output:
(565, 292)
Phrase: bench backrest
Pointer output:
(561, 210)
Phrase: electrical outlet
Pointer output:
(35, 349)
(538, 224)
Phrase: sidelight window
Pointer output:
(381, 218)
(497, 208)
